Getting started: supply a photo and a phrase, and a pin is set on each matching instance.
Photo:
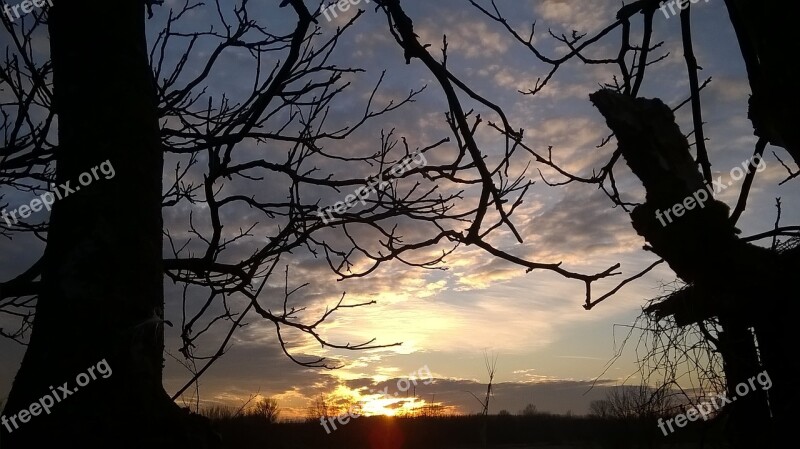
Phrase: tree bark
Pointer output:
(102, 280)
(767, 38)
(745, 285)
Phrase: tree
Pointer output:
(658, 153)
(331, 406)
(432, 410)
(600, 408)
(529, 410)
(631, 414)
(320, 408)
(117, 103)
(266, 409)
(491, 367)
(101, 273)
(633, 402)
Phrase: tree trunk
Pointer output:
(745, 285)
(767, 38)
(102, 280)
(749, 425)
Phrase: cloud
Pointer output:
(468, 38)
(579, 226)
(725, 89)
(584, 16)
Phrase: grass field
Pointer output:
(541, 431)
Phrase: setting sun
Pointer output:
(393, 406)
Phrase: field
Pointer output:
(541, 431)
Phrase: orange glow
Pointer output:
(374, 405)
(371, 403)
(386, 436)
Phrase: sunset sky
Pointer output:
(549, 350)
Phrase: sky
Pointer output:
(549, 351)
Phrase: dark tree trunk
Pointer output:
(768, 40)
(746, 286)
(749, 424)
(102, 281)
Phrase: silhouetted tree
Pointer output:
(629, 402)
(100, 279)
(266, 409)
(724, 273)
(529, 410)
(600, 408)
(658, 153)
(630, 415)
(97, 290)
(320, 408)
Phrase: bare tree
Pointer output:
(491, 367)
(432, 410)
(329, 406)
(633, 402)
(265, 409)
(167, 118)
(529, 410)
(600, 408)
(320, 408)
(631, 413)
(671, 168)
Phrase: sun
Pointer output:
(392, 406)
(378, 407)
(375, 403)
